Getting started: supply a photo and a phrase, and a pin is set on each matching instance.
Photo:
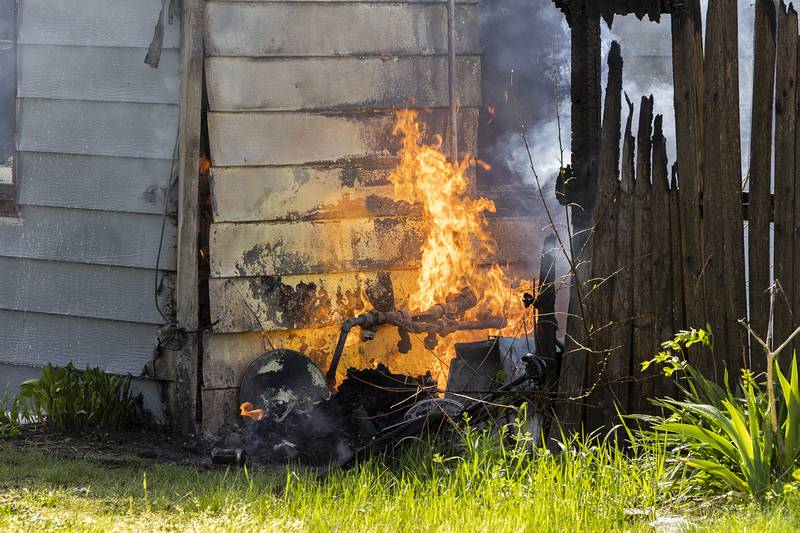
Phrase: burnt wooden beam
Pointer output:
(608, 9)
(586, 95)
(184, 401)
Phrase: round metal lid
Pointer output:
(280, 381)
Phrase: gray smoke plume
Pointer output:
(529, 37)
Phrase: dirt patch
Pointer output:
(115, 448)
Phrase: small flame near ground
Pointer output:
(458, 247)
(246, 409)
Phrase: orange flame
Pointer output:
(246, 409)
(458, 247)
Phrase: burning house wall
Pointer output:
(308, 229)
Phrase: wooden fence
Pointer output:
(668, 243)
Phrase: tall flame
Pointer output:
(458, 247)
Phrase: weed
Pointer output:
(746, 439)
(13, 411)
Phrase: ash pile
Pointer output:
(293, 412)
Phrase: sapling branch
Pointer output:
(771, 355)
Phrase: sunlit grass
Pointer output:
(485, 487)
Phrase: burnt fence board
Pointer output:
(663, 292)
(644, 341)
(295, 138)
(676, 238)
(82, 290)
(38, 339)
(135, 185)
(336, 29)
(119, 23)
(785, 161)
(97, 128)
(760, 189)
(97, 73)
(248, 84)
(606, 215)
(613, 390)
(96, 237)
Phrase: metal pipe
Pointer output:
(451, 78)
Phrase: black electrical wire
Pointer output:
(167, 197)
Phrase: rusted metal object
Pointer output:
(439, 321)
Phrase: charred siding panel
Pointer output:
(96, 131)
(295, 29)
(301, 109)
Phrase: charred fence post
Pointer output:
(586, 95)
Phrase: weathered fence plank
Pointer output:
(785, 138)
(611, 379)
(643, 333)
(615, 392)
(687, 60)
(722, 191)
(663, 295)
(676, 239)
(760, 176)
(605, 224)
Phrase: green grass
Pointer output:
(489, 489)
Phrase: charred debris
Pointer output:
(291, 411)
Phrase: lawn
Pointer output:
(485, 488)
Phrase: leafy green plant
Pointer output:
(747, 440)
(13, 411)
(71, 400)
